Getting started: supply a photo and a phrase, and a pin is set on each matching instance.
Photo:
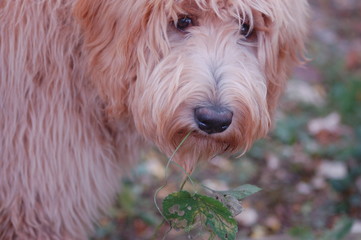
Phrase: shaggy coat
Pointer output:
(84, 84)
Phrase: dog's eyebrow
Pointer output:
(199, 7)
(190, 8)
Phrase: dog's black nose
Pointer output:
(213, 119)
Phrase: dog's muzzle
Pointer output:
(213, 119)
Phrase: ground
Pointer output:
(309, 167)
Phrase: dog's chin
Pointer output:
(190, 147)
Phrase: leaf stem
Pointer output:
(184, 183)
(170, 160)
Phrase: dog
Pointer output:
(86, 84)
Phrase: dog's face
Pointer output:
(212, 68)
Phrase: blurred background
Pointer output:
(310, 166)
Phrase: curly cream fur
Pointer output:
(85, 83)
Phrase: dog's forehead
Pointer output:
(203, 3)
(196, 6)
(221, 8)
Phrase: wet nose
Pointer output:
(213, 119)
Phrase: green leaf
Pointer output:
(182, 210)
(218, 218)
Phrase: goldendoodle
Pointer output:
(84, 84)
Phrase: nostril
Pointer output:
(213, 119)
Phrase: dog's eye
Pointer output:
(183, 23)
(246, 30)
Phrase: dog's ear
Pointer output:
(283, 44)
(120, 36)
(110, 42)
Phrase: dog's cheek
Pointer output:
(155, 89)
